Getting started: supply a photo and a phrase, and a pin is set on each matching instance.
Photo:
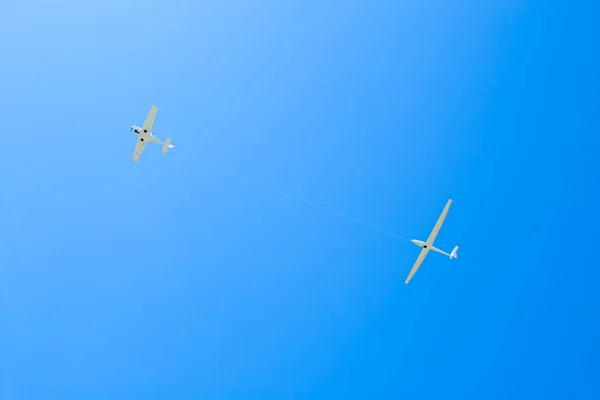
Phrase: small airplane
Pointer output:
(428, 245)
(145, 135)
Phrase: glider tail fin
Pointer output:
(167, 145)
(453, 254)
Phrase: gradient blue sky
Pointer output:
(167, 279)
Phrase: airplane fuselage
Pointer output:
(420, 243)
(426, 246)
(144, 135)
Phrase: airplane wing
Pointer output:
(438, 224)
(139, 147)
(415, 267)
(147, 127)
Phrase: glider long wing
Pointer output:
(438, 224)
(415, 267)
(139, 148)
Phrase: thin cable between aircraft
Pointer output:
(291, 196)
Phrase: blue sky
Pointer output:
(169, 279)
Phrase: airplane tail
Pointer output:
(167, 145)
(453, 254)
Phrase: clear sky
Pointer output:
(168, 279)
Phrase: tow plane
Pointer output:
(428, 245)
(145, 135)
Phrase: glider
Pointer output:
(145, 135)
(428, 245)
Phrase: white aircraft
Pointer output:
(145, 135)
(428, 245)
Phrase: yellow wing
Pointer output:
(438, 224)
(147, 127)
(139, 147)
(415, 267)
